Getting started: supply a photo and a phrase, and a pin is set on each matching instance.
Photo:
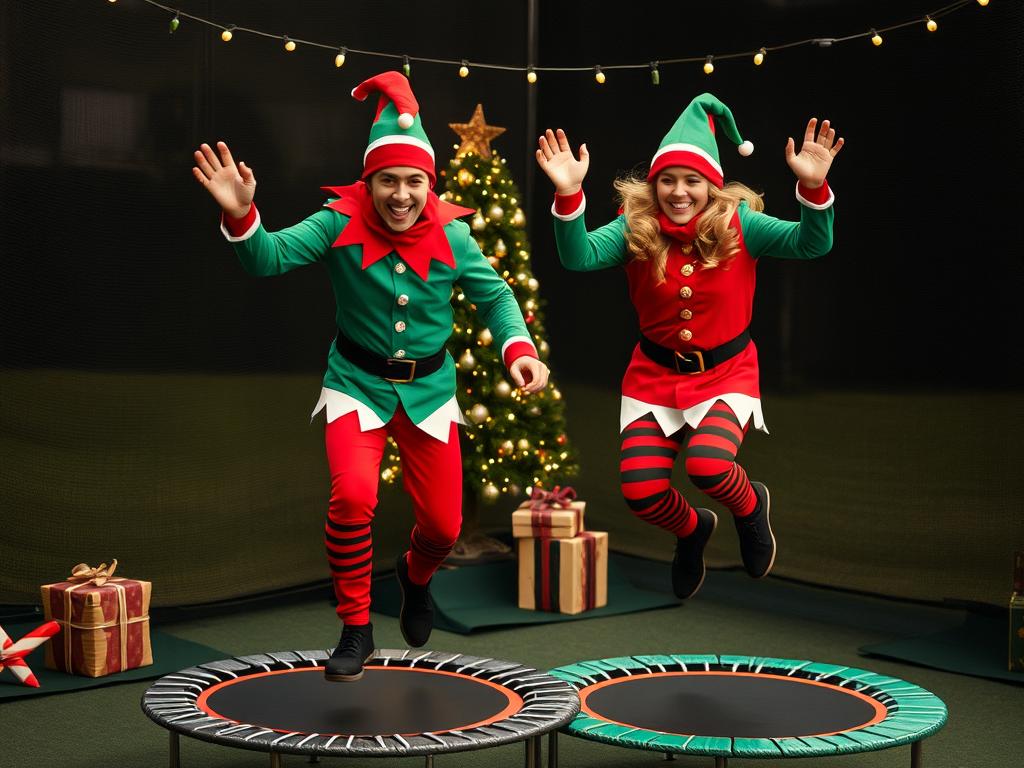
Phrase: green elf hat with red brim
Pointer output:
(397, 137)
(691, 142)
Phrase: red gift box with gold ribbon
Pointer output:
(564, 575)
(104, 622)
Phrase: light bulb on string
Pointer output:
(709, 65)
(759, 57)
(406, 67)
(930, 24)
(227, 34)
(464, 69)
(289, 44)
(339, 60)
(175, 23)
(599, 75)
(982, 3)
(876, 39)
(655, 76)
(531, 76)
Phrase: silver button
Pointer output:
(399, 353)
(403, 300)
(400, 268)
(400, 326)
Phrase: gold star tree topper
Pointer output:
(476, 135)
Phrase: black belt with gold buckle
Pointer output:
(698, 360)
(400, 370)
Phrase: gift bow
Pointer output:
(562, 497)
(98, 575)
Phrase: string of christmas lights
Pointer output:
(464, 66)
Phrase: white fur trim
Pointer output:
(671, 420)
(570, 216)
(337, 404)
(687, 148)
(245, 235)
(405, 120)
(513, 340)
(816, 206)
(395, 139)
(746, 148)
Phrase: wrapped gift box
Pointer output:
(550, 523)
(104, 628)
(564, 575)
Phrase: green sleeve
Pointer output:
(765, 235)
(274, 253)
(584, 251)
(485, 288)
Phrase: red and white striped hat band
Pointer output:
(397, 150)
(687, 156)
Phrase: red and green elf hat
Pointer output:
(396, 136)
(691, 142)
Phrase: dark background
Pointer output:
(113, 260)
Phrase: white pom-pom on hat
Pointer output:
(746, 148)
(405, 120)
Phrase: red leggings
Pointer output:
(646, 469)
(432, 473)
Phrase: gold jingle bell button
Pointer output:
(687, 270)
(685, 334)
(686, 314)
(686, 292)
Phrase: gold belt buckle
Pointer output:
(686, 359)
(412, 370)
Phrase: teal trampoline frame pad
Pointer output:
(903, 713)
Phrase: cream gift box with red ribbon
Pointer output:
(554, 514)
(104, 622)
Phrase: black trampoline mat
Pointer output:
(730, 704)
(391, 700)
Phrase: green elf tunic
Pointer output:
(392, 299)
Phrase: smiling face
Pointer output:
(399, 194)
(682, 193)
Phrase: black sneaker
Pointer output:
(416, 616)
(354, 649)
(688, 563)
(757, 542)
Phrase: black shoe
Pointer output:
(688, 563)
(757, 542)
(416, 616)
(354, 649)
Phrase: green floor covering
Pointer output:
(105, 727)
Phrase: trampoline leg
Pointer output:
(553, 749)
(174, 751)
(275, 760)
(314, 758)
(721, 762)
(533, 752)
(916, 760)
(669, 756)
(430, 761)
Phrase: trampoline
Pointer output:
(407, 703)
(747, 707)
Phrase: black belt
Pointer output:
(397, 369)
(696, 361)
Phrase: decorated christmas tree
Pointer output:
(512, 441)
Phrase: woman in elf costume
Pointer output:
(392, 250)
(689, 244)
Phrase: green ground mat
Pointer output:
(484, 597)
(977, 647)
(170, 654)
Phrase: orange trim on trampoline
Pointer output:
(515, 701)
(880, 711)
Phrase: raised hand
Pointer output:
(232, 186)
(555, 158)
(812, 162)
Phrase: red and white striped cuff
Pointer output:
(819, 199)
(516, 347)
(240, 229)
(569, 207)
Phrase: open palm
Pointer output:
(555, 158)
(812, 162)
(232, 186)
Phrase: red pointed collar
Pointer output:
(417, 246)
(684, 233)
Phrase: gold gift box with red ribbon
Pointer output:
(104, 622)
(555, 514)
(564, 575)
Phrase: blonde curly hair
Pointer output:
(717, 242)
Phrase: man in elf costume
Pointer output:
(392, 250)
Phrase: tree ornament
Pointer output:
(479, 413)
(503, 389)
(518, 218)
(387, 475)
(500, 249)
(476, 135)
(479, 224)
(465, 177)
(496, 212)
(560, 439)
(534, 410)
(485, 337)
(467, 362)
(523, 444)
(533, 284)
(529, 316)
(491, 492)
(506, 448)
